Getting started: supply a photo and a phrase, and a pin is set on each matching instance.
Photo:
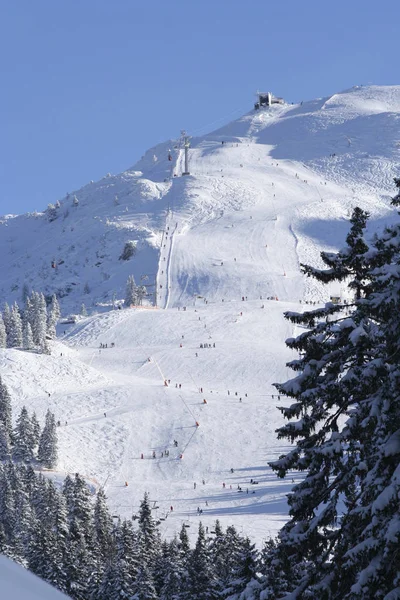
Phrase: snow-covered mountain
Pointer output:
(265, 193)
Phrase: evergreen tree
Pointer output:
(48, 452)
(75, 201)
(35, 430)
(3, 334)
(27, 337)
(201, 571)
(7, 321)
(144, 588)
(23, 437)
(5, 443)
(103, 526)
(149, 539)
(130, 292)
(15, 335)
(68, 493)
(82, 508)
(53, 317)
(39, 319)
(174, 575)
(83, 310)
(5, 408)
(141, 293)
(7, 508)
(345, 420)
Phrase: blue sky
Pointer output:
(89, 85)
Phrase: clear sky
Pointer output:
(88, 85)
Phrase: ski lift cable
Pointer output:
(227, 116)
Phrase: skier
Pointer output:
(204, 401)
(126, 484)
(171, 508)
(194, 485)
(141, 456)
(154, 454)
(105, 414)
(197, 424)
(223, 485)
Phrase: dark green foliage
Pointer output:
(47, 452)
(345, 422)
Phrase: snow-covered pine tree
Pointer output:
(141, 293)
(23, 437)
(3, 334)
(51, 213)
(103, 526)
(130, 292)
(345, 421)
(203, 584)
(117, 582)
(144, 588)
(7, 507)
(75, 201)
(28, 314)
(5, 443)
(48, 451)
(15, 336)
(39, 318)
(53, 316)
(82, 508)
(83, 310)
(172, 572)
(5, 408)
(7, 320)
(351, 263)
(149, 537)
(35, 430)
(27, 336)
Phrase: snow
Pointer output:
(19, 584)
(271, 197)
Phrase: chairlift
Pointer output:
(155, 507)
(186, 525)
(134, 517)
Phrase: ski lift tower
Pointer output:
(186, 145)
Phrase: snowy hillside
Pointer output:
(20, 584)
(264, 193)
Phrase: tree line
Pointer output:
(30, 328)
(26, 441)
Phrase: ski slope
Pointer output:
(221, 249)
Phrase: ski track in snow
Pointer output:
(279, 190)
